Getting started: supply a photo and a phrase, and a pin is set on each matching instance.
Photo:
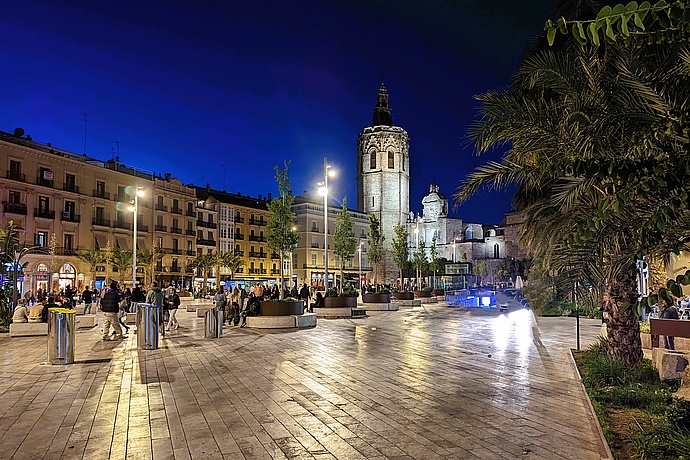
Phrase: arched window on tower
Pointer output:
(496, 252)
(469, 234)
(391, 160)
(372, 160)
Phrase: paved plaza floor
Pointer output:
(429, 382)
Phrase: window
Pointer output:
(70, 207)
(251, 232)
(372, 160)
(100, 214)
(200, 234)
(251, 265)
(391, 160)
(190, 209)
(68, 243)
(496, 251)
(43, 205)
(15, 169)
(189, 246)
(314, 244)
(14, 197)
(70, 182)
(372, 203)
(469, 234)
(160, 201)
(313, 260)
(251, 248)
(159, 242)
(159, 220)
(175, 244)
(237, 248)
(210, 218)
(189, 227)
(100, 188)
(121, 194)
(314, 228)
(42, 239)
(175, 223)
(176, 204)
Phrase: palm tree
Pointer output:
(148, 259)
(203, 263)
(93, 257)
(598, 171)
(233, 262)
(228, 260)
(122, 260)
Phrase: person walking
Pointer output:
(173, 302)
(87, 298)
(235, 304)
(110, 306)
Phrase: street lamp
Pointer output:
(416, 248)
(324, 192)
(135, 209)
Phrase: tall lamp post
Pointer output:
(135, 209)
(416, 248)
(324, 192)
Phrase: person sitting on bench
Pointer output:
(21, 313)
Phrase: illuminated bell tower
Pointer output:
(383, 173)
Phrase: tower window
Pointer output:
(372, 202)
(372, 160)
(391, 160)
(496, 253)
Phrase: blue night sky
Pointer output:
(220, 92)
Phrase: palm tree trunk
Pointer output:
(624, 325)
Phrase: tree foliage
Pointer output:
(344, 240)
(376, 253)
(400, 250)
(122, 260)
(281, 229)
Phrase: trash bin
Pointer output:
(61, 335)
(213, 323)
(148, 316)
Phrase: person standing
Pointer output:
(668, 311)
(110, 306)
(173, 302)
(155, 297)
(87, 298)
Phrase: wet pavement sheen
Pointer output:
(428, 382)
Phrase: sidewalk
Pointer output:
(420, 383)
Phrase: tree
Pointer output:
(122, 260)
(94, 258)
(400, 249)
(420, 261)
(434, 261)
(281, 231)
(233, 262)
(203, 263)
(598, 139)
(148, 259)
(479, 270)
(376, 253)
(344, 240)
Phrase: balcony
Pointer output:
(122, 198)
(44, 182)
(191, 213)
(275, 256)
(315, 245)
(190, 232)
(260, 255)
(160, 228)
(260, 239)
(203, 223)
(101, 194)
(16, 175)
(176, 230)
(65, 252)
(259, 222)
(240, 270)
(44, 213)
(202, 242)
(239, 220)
(70, 188)
(100, 222)
(122, 224)
(239, 236)
(41, 240)
(314, 230)
(257, 271)
(66, 216)
(161, 207)
(142, 228)
(275, 271)
(239, 253)
(176, 211)
(175, 269)
(14, 208)
(177, 251)
(191, 253)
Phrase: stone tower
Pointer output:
(383, 174)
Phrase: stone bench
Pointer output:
(371, 306)
(87, 321)
(282, 322)
(359, 312)
(80, 308)
(201, 311)
(409, 303)
(28, 329)
(426, 300)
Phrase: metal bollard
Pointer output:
(213, 323)
(61, 335)
(148, 317)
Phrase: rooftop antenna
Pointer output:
(86, 121)
(118, 147)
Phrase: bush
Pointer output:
(644, 327)
(678, 413)
(349, 292)
(331, 292)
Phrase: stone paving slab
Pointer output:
(429, 382)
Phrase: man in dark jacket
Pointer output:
(155, 296)
(87, 297)
(110, 305)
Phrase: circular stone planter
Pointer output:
(340, 302)
(403, 295)
(282, 308)
(376, 298)
(422, 294)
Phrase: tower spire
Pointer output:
(382, 113)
